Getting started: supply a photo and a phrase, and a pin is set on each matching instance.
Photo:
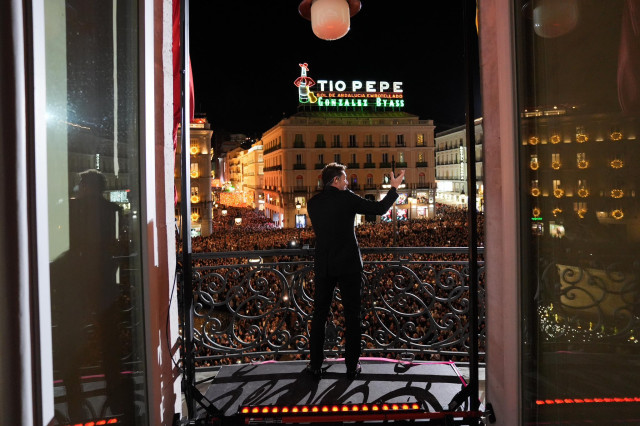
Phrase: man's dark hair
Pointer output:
(94, 180)
(331, 171)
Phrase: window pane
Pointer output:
(94, 201)
(578, 97)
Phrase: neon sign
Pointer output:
(378, 94)
(304, 83)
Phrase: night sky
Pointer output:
(245, 57)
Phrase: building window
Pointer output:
(336, 141)
(369, 179)
(298, 158)
(421, 178)
(368, 141)
(353, 158)
(320, 158)
(299, 181)
(353, 143)
(384, 141)
(420, 140)
(194, 147)
(319, 181)
(399, 140)
(368, 157)
(354, 180)
(336, 158)
(420, 157)
(385, 157)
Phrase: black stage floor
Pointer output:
(432, 385)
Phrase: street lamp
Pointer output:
(330, 19)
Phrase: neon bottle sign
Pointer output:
(356, 93)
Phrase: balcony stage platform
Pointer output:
(385, 390)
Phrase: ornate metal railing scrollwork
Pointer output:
(251, 306)
(590, 304)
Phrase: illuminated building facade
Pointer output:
(451, 165)
(233, 166)
(245, 176)
(367, 142)
(201, 178)
(252, 166)
(578, 172)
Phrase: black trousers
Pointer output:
(350, 286)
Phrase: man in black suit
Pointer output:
(338, 260)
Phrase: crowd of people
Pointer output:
(436, 325)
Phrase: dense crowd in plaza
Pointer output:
(447, 228)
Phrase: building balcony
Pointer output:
(422, 185)
(272, 149)
(290, 277)
(422, 164)
(298, 144)
(273, 168)
(318, 166)
(401, 164)
(369, 165)
(353, 165)
(320, 144)
(370, 186)
(300, 166)
(385, 165)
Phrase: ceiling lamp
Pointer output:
(330, 19)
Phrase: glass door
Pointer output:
(93, 160)
(578, 86)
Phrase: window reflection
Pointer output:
(94, 200)
(578, 95)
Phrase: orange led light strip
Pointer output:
(342, 408)
(559, 401)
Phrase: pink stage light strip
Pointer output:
(95, 423)
(559, 401)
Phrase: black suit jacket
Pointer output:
(332, 214)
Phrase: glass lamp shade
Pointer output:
(553, 18)
(330, 19)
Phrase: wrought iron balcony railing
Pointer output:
(258, 305)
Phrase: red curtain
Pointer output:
(177, 101)
(629, 59)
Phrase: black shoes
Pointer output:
(315, 373)
(353, 374)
